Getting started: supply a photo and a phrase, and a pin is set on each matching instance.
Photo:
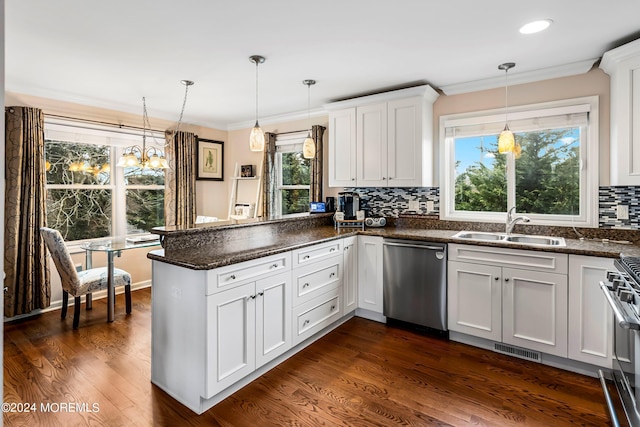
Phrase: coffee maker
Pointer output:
(349, 204)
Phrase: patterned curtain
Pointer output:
(317, 165)
(180, 179)
(25, 258)
(269, 175)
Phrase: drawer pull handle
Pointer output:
(232, 277)
(261, 293)
(332, 274)
(332, 249)
(306, 322)
(333, 307)
(305, 285)
(274, 266)
(305, 257)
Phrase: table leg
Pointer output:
(111, 297)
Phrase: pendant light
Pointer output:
(309, 147)
(256, 139)
(150, 157)
(506, 141)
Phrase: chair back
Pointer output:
(61, 258)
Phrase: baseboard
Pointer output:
(57, 305)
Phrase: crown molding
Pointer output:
(613, 57)
(521, 78)
(279, 118)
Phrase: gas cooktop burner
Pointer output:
(631, 265)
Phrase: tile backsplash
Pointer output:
(392, 202)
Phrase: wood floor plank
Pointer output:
(362, 374)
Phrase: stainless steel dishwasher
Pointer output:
(415, 282)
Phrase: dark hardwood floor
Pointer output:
(362, 374)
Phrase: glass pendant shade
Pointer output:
(506, 141)
(256, 139)
(308, 147)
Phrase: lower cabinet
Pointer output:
(350, 274)
(370, 273)
(247, 327)
(518, 297)
(590, 316)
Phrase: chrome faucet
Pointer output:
(511, 221)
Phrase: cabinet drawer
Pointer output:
(312, 280)
(316, 314)
(317, 252)
(505, 257)
(233, 275)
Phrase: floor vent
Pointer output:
(522, 353)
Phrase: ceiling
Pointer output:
(112, 53)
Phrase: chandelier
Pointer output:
(150, 157)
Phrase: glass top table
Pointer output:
(113, 247)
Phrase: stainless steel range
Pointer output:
(622, 290)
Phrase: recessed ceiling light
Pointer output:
(535, 26)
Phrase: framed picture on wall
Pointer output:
(210, 159)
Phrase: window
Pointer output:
(293, 175)
(87, 197)
(553, 179)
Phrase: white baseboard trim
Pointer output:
(57, 305)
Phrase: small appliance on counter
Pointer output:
(330, 204)
(349, 204)
(375, 221)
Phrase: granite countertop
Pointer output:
(260, 245)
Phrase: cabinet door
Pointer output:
(350, 275)
(342, 148)
(230, 337)
(370, 273)
(405, 144)
(273, 317)
(475, 299)
(590, 316)
(371, 137)
(534, 310)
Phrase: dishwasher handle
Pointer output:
(405, 245)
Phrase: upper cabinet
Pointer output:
(623, 65)
(383, 140)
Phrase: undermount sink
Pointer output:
(521, 239)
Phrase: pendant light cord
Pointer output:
(257, 62)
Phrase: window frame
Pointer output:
(117, 138)
(287, 143)
(589, 161)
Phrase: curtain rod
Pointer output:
(293, 131)
(98, 122)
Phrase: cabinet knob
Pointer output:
(232, 277)
(305, 257)
(306, 322)
(333, 307)
(332, 274)
(353, 179)
(261, 293)
(383, 178)
(274, 266)
(332, 250)
(496, 278)
(305, 285)
(506, 279)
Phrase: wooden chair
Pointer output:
(79, 283)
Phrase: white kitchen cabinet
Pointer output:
(514, 296)
(342, 148)
(475, 299)
(371, 145)
(350, 274)
(623, 66)
(248, 326)
(590, 316)
(393, 135)
(534, 310)
(207, 337)
(370, 273)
